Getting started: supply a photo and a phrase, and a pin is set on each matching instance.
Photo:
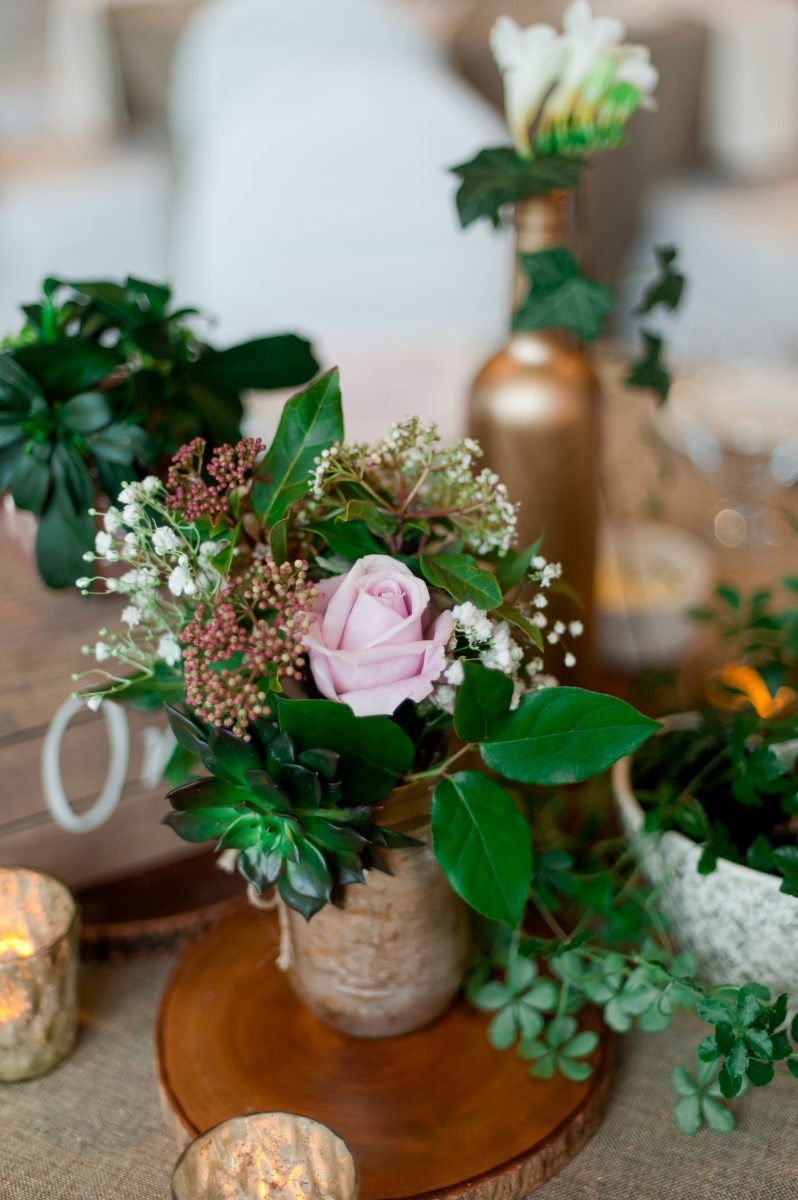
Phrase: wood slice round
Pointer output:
(435, 1113)
(157, 911)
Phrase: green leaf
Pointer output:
(201, 825)
(148, 693)
(491, 995)
(564, 735)
(308, 882)
(582, 1044)
(369, 513)
(200, 793)
(760, 1073)
(688, 1114)
(242, 833)
(461, 578)
(188, 733)
(648, 372)
(72, 476)
(717, 1116)
(560, 297)
(61, 541)
(18, 389)
(351, 540)
(123, 443)
(311, 421)
(29, 484)
(502, 1030)
(499, 176)
(708, 1049)
(712, 1011)
(482, 844)
(374, 751)
(263, 364)
(234, 754)
(67, 367)
(668, 287)
(747, 1008)
(513, 567)
(737, 1059)
(517, 618)
(682, 1081)
(483, 698)
(86, 413)
(278, 541)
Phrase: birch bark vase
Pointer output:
(392, 958)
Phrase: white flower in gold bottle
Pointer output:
(530, 61)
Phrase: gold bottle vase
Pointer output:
(534, 408)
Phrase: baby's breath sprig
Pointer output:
(411, 476)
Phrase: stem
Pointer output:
(441, 768)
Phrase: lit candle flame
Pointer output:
(12, 946)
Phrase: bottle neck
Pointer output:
(539, 225)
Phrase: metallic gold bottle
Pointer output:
(534, 409)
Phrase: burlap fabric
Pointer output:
(92, 1130)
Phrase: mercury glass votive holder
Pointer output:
(279, 1155)
(39, 950)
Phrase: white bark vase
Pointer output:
(736, 922)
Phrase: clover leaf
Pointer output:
(700, 1100)
(518, 1003)
(563, 1048)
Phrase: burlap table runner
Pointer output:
(92, 1130)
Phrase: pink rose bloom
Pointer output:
(377, 640)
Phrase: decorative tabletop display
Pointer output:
(341, 632)
(534, 405)
(101, 386)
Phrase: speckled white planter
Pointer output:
(737, 923)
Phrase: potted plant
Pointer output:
(102, 384)
(342, 632)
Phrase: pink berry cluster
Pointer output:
(230, 465)
(262, 616)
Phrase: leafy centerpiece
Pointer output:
(104, 382)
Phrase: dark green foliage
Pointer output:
(284, 805)
(499, 176)
(560, 297)
(104, 382)
(648, 371)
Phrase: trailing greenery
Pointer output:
(102, 384)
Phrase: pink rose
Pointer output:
(377, 639)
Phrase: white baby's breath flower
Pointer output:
(94, 702)
(131, 514)
(112, 520)
(180, 581)
(569, 659)
(128, 494)
(149, 484)
(103, 543)
(169, 650)
(454, 673)
(102, 651)
(131, 616)
(164, 540)
(576, 628)
(530, 61)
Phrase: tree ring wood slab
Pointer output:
(436, 1113)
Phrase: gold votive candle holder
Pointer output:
(39, 951)
(280, 1155)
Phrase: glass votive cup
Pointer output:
(39, 952)
(280, 1155)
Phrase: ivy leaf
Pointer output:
(560, 297)
(311, 421)
(374, 751)
(462, 579)
(483, 697)
(499, 176)
(668, 287)
(648, 371)
(482, 844)
(564, 735)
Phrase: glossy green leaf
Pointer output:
(262, 364)
(201, 825)
(67, 367)
(124, 443)
(30, 481)
(351, 540)
(61, 541)
(482, 844)
(483, 699)
(189, 733)
(202, 793)
(462, 579)
(278, 541)
(511, 614)
(72, 477)
(374, 751)
(564, 735)
(310, 423)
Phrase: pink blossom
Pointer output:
(376, 638)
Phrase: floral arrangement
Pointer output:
(567, 95)
(327, 620)
(103, 383)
